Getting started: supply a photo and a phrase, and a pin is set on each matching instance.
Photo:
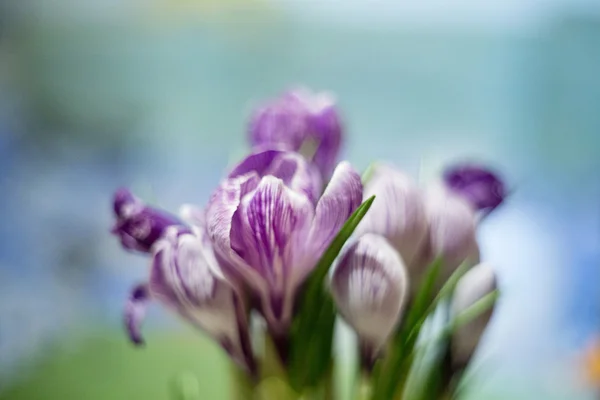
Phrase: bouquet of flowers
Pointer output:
(294, 239)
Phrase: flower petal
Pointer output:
(303, 121)
(341, 198)
(281, 122)
(480, 186)
(269, 228)
(138, 225)
(291, 167)
(183, 279)
(297, 174)
(258, 162)
(370, 286)
(398, 212)
(452, 227)
(220, 212)
(473, 286)
(135, 311)
(192, 215)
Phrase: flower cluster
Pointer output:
(271, 230)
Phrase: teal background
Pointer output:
(155, 95)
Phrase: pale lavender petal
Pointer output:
(341, 198)
(220, 212)
(223, 204)
(473, 286)
(398, 212)
(452, 226)
(135, 311)
(267, 233)
(451, 234)
(370, 286)
(183, 279)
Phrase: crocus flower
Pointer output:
(138, 225)
(451, 234)
(472, 287)
(369, 286)
(301, 121)
(270, 225)
(398, 212)
(185, 278)
(480, 186)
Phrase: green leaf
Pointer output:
(445, 292)
(313, 327)
(475, 310)
(368, 172)
(389, 369)
(274, 388)
(426, 374)
(315, 281)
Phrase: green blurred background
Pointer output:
(155, 95)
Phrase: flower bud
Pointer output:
(301, 121)
(369, 286)
(398, 212)
(451, 233)
(481, 187)
(472, 287)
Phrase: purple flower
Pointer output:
(472, 287)
(138, 225)
(185, 277)
(370, 286)
(270, 225)
(481, 187)
(301, 121)
(398, 212)
(420, 225)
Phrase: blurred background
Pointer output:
(155, 94)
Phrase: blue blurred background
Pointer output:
(154, 94)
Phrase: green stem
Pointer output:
(364, 386)
(242, 387)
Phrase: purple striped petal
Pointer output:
(185, 278)
(220, 212)
(341, 198)
(269, 230)
(135, 311)
(290, 167)
(139, 226)
(480, 186)
(370, 286)
(398, 212)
